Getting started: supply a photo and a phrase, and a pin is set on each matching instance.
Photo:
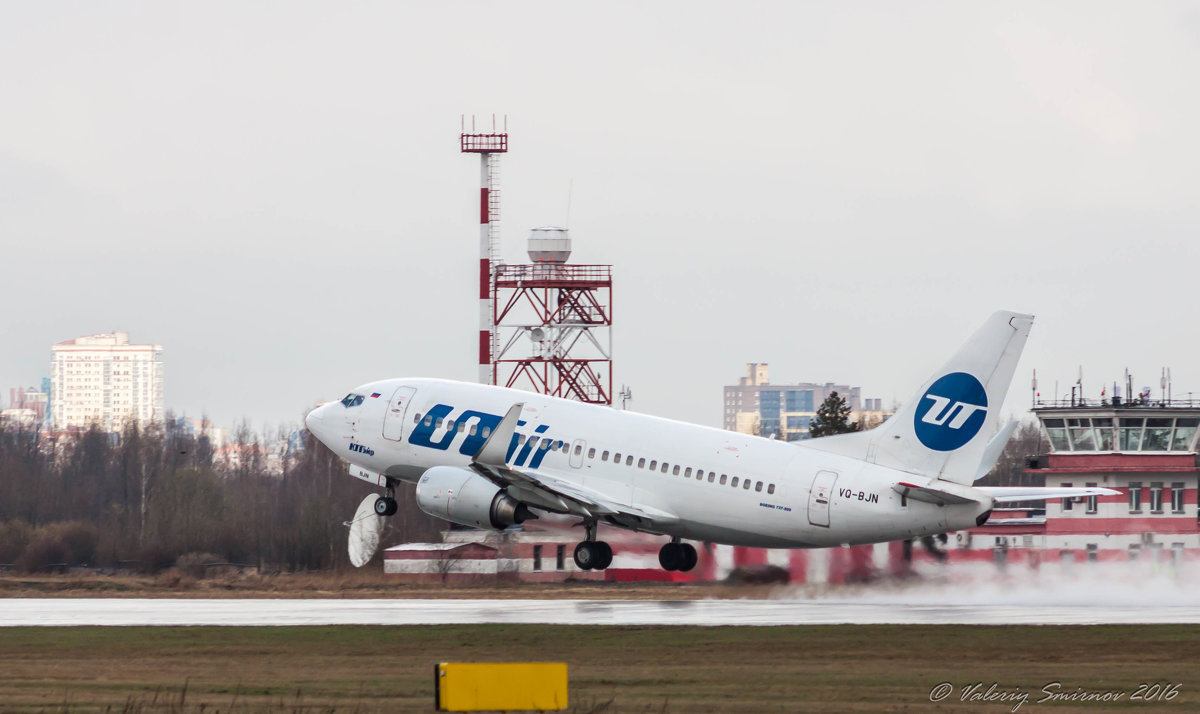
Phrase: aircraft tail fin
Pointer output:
(943, 430)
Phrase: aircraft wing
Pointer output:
(553, 493)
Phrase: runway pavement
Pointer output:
(134, 612)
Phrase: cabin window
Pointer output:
(617, 458)
(462, 426)
(653, 465)
(712, 476)
(545, 446)
(687, 473)
(417, 418)
(578, 449)
(746, 484)
(487, 431)
(734, 483)
(438, 425)
(723, 477)
(770, 488)
(641, 463)
(629, 461)
(591, 453)
(665, 466)
(675, 471)
(521, 440)
(604, 456)
(428, 420)
(757, 486)
(474, 429)
(451, 426)
(561, 444)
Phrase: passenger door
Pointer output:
(393, 421)
(819, 498)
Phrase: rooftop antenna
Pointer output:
(625, 395)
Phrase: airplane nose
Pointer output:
(315, 421)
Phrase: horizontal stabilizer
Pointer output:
(937, 496)
(1008, 494)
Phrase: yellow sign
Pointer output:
(472, 686)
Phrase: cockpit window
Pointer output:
(352, 400)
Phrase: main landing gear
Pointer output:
(386, 505)
(593, 554)
(678, 556)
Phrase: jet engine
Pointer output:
(464, 497)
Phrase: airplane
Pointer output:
(491, 457)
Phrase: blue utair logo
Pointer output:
(438, 431)
(951, 412)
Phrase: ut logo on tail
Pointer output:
(951, 412)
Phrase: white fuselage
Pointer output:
(797, 496)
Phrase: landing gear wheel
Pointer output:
(587, 555)
(671, 556)
(690, 557)
(606, 556)
(386, 506)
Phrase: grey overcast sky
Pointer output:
(273, 191)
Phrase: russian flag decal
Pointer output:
(374, 395)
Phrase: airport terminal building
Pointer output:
(1145, 449)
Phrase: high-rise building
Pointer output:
(785, 411)
(105, 380)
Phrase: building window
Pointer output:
(1067, 503)
(560, 558)
(1177, 497)
(1093, 552)
(1135, 550)
(1156, 489)
(1091, 500)
(1135, 496)
(537, 558)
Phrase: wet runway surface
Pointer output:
(136, 612)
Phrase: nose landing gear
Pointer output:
(678, 556)
(386, 505)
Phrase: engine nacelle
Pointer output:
(464, 497)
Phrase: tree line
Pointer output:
(148, 498)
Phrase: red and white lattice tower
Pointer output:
(545, 326)
(489, 146)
